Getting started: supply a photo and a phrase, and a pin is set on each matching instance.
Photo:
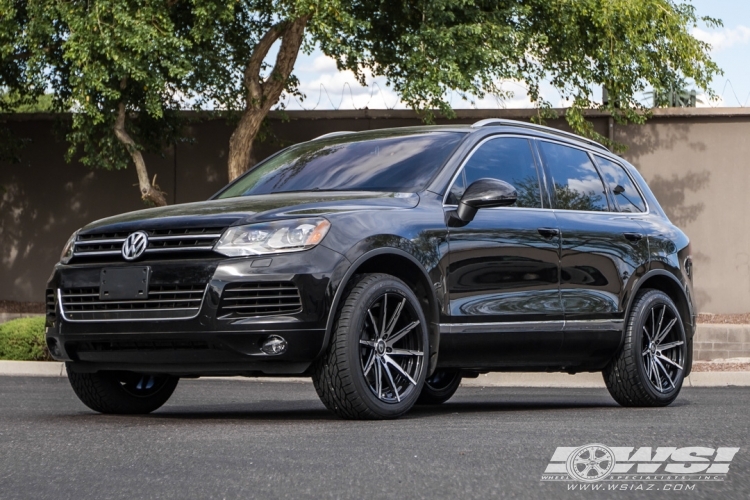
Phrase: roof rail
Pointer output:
(541, 128)
(333, 134)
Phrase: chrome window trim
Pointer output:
(197, 312)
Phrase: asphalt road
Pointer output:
(240, 439)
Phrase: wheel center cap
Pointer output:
(380, 347)
(652, 348)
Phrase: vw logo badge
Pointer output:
(134, 246)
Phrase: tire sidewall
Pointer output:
(651, 300)
(356, 325)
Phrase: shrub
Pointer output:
(23, 340)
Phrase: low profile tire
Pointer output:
(123, 393)
(374, 366)
(650, 367)
(439, 387)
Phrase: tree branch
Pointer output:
(252, 71)
(149, 192)
(291, 41)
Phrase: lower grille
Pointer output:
(51, 304)
(260, 299)
(164, 302)
(156, 345)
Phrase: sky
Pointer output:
(327, 88)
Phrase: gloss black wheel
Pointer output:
(122, 392)
(439, 387)
(650, 367)
(375, 364)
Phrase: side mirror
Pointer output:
(485, 193)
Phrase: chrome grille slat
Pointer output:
(161, 242)
(168, 302)
(259, 299)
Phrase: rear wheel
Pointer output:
(374, 366)
(650, 367)
(439, 387)
(122, 392)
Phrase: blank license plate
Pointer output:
(124, 283)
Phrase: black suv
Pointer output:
(386, 265)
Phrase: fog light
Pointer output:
(274, 345)
(53, 347)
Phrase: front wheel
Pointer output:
(650, 367)
(122, 392)
(374, 366)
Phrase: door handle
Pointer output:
(633, 237)
(548, 232)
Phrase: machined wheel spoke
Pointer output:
(394, 319)
(370, 361)
(647, 335)
(389, 361)
(666, 373)
(405, 352)
(648, 366)
(390, 381)
(384, 314)
(657, 377)
(663, 334)
(664, 358)
(378, 378)
(368, 343)
(374, 324)
(670, 345)
(657, 332)
(396, 337)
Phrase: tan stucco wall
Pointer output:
(698, 169)
(694, 160)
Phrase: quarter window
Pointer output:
(626, 195)
(508, 159)
(577, 184)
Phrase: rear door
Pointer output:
(503, 274)
(602, 249)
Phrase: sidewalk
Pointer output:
(581, 380)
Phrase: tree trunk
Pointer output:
(149, 192)
(262, 95)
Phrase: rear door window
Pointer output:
(577, 185)
(621, 186)
(508, 159)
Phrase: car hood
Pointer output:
(247, 209)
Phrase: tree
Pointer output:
(426, 48)
(124, 67)
(121, 66)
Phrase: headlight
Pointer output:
(273, 237)
(67, 252)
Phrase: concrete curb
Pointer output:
(553, 380)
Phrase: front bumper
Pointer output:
(210, 342)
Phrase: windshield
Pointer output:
(393, 161)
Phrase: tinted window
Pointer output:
(374, 161)
(577, 183)
(508, 159)
(626, 195)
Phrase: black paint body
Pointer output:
(513, 289)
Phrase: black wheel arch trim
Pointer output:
(433, 328)
(685, 296)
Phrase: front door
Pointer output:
(504, 300)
